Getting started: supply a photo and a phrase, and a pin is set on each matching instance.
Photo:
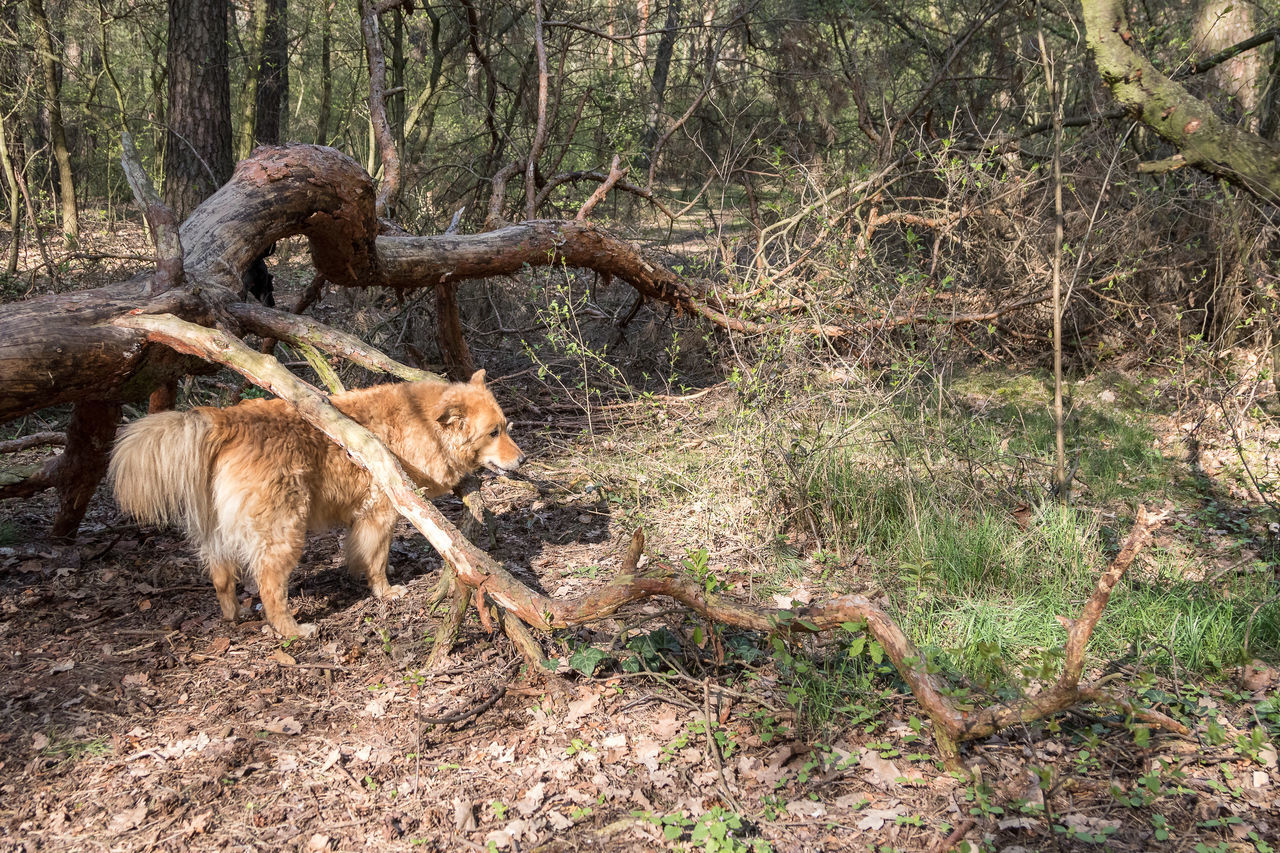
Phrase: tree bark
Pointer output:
(198, 141)
(389, 191)
(49, 65)
(658, 89)
(1203, 139)
(89, 438)
(1220, 24)
(11, 131)
(14, 194)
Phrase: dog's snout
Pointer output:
(520, 460)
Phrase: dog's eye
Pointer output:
(494, 432)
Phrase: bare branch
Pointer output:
(162, 222)
(615, 174)
(36, 439)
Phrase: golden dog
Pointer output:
(248, 482)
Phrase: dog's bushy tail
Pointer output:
(160, 471)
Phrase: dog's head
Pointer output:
(476, 428)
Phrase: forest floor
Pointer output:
(133, 718)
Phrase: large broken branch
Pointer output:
(489, 580)
(1204, 139)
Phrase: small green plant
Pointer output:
(499, 810)
(697, 564)
(1252, 744)
(577, 745)
(587, 658)
(716, 830)
(722, 736)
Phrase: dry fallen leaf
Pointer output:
(806, 808)
(1091, 825)
(284, 726)
(129, 818)
(582, 706)
(196, 825)
(880, 771)
(666, 726)
(532, 799)
(1257, 676)
(874, 819)
(464, 818)
(281, 656)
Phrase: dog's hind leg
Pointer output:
(223, 573)
(368, 544)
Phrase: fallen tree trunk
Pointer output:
(65, 348)
(953, 721)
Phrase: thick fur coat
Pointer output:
(248, 482)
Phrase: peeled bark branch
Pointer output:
(491, 582)
(268, 322)
(36, 439)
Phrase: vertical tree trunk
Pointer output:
(12, 141)
(396, 101)
(89, 436)
(454, 351)
(15, 203)
(198, 142)
(248, 99)
(642, 25)
(51, 73)
(104, 45)
(271, 104)
(1218, 25)
(326, 78)
(661, 71)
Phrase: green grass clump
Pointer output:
(973, 586)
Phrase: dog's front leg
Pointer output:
(368, 544)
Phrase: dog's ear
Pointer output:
(477, 378)
(450, 415)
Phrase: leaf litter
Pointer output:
(162, 728)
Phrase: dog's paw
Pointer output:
(394, 592)
(295, 630)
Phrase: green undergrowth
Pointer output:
(948, 512)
